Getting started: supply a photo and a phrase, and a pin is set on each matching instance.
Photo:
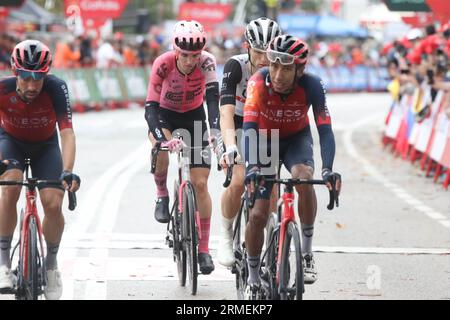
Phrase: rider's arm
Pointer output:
(68, 148)
(152, 116)
(212, 101)
(60, 97)
(323, 122)
(208, 66)
(232, 75)
(157, 76)
(250, 126)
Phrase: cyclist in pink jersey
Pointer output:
(179, 81)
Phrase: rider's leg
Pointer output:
(199, 179)
(9, 195)
(162, 163)
(254, 237)
(230, 202)
(53, 223)
(300, 162)
(162, 213)
(307, 205)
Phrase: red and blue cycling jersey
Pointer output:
(288, 113)
(35, 121)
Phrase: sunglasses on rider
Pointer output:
(36, 75)
(283, 58)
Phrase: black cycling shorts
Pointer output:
(192, 128)
(293, 150)
(45, 156)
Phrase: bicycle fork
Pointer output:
(30, 212)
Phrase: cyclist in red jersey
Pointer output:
(278, 100)
(31, 105)
(179, 81)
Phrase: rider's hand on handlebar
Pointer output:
(252, 177)
(70, 181)
(229, 156)
(332, 178)
(173, 145)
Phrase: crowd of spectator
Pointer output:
(420, 58)
(85, 51)
(139, 50)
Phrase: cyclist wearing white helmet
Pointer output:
(237, 71)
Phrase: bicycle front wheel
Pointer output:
(29, 285)
(240, 268)
(190, 235)
(291, 284)
(179, 253)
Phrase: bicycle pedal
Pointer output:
(169, 242)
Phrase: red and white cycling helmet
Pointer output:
(31, 55)
(189, 36)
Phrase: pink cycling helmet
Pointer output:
(189, 36)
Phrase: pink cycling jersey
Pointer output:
(176, 91)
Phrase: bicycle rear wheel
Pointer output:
(29, 284)
(190, 236)
(291, 268)
(240, 268)
(179, 253)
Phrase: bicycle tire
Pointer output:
(240, 267)
(29, 288)
(272, 237)
(178, 248)
(291, 284)
(190, 235)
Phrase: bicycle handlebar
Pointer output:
(334, 197)
(32, 183)
(228, 176)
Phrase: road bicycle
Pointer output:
(183, 229)
(30, 271)
(282, 261)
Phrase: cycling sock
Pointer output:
(253, 269)
(50, 259)
(5, 248)
(307, 236)
(203, 243)
(227, 226)
(161, 184)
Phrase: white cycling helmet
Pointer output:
(260, 32)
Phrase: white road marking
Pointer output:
(394, 188)
(108, 216)
(157, 241)
(89, 207)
